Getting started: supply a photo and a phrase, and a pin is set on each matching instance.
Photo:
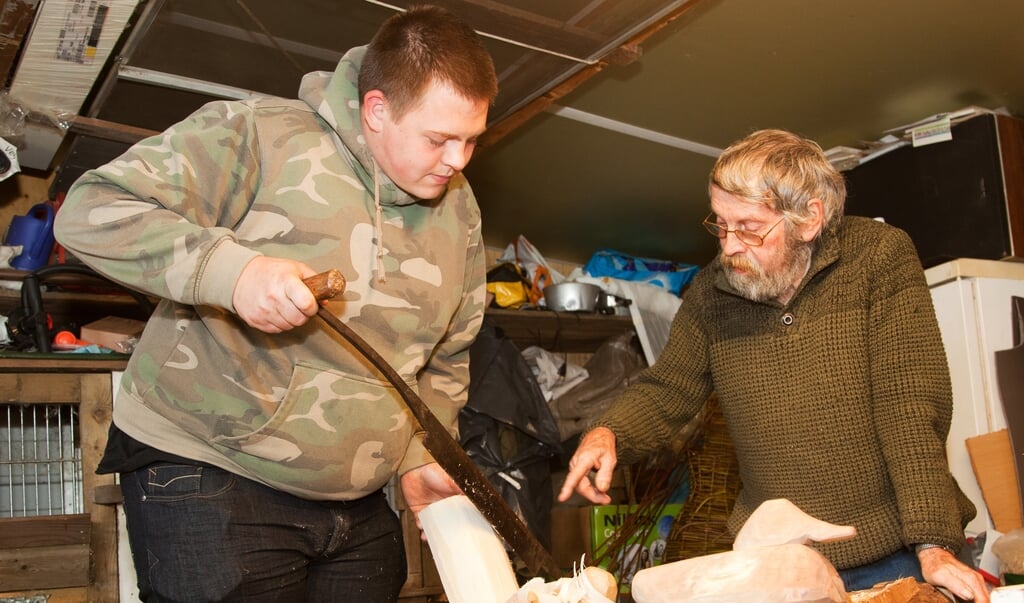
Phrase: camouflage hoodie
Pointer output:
(180, 214)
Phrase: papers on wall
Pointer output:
(931, 133)
(930, 130)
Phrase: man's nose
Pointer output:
(456, 155)
(731, 244)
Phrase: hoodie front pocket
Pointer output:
(330, 430)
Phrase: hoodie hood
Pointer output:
(334, 96)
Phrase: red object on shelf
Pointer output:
(66, 340)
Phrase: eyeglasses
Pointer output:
(751, 239)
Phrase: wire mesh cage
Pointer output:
(40, 460)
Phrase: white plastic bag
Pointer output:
(1009, 549)
(554, 374)
(588, 585)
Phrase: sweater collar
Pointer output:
(826, 251)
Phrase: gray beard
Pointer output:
(760, 286)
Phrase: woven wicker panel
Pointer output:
(700, 528)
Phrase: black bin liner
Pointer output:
(508, 430)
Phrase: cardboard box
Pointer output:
(113, 332)
(570, 521)
(992, 460)
(646, 548)
(570, 536)
(578, 531)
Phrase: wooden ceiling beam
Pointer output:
(525, 27)
(631, 48)
(623, 55)
(108, 130)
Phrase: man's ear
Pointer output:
(374, 110)
(816, 211)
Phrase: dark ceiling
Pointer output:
(265, 46)
(838, 72)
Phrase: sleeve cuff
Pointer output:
(220, 274)
(415, 456)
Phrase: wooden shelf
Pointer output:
(573, 332)
(61, 362)
(569, 332)
(71, 299)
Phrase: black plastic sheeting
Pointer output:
(508, 430)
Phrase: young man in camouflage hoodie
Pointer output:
(253, 444)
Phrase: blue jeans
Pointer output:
(203, 534)
(901, 564)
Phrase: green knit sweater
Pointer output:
(839, 401)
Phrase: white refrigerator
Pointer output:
(973, 303)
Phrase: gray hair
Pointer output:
(783, 171)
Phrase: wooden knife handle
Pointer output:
(326, 284)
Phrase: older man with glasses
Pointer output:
(817, 334)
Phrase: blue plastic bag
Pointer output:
(672, 276)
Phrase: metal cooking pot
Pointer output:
(572, 297)
(609, 303)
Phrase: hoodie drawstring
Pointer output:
(378, 229)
